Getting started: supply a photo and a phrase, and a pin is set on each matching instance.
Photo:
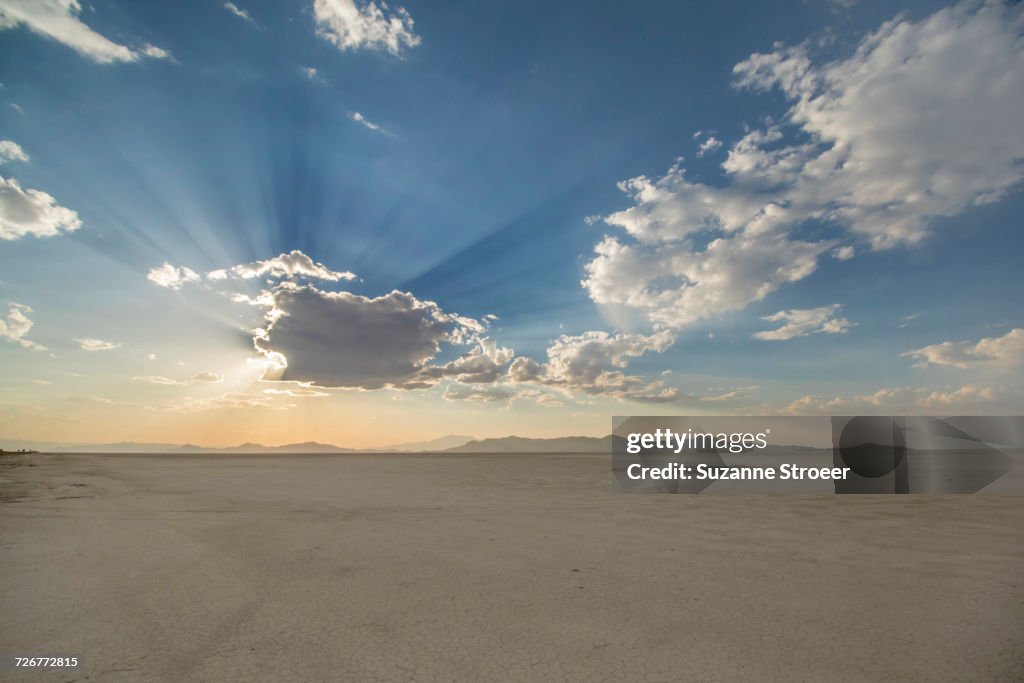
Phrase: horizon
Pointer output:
(284, 222)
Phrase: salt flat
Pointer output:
(491, 568)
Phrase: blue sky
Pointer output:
(470, 156)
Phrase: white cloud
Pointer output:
(89, 344)
(11, 151)
(478, 393)
(844, 253)
(157, 52)
(907, 319)
(800, 322)
(362, 120)
(239, 12)
(351, 26)
(484, 364)
(290, 265)
(709, 145)
(172, 277)
(677, 285)
(296, 393)
(726, 394)
(32, 213)
(59, 20)
(158, 379)
(311, 73)
(966, 395)
(908, 128)
(16, 324)
(960, 400)
(201, 378)
(592, 362)
(1007, 350)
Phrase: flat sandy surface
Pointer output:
(490, 568)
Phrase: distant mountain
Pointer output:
(120, 447)
(519, 444)
(441, 444)
(449, 444)
(24, 444)
(252, 448)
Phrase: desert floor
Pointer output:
(490, 568)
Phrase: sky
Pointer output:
(365, 224)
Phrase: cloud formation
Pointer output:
(172, 277)
(16, 325)
(844, 253)
(340, 339)
(592, 363)
(59, 20)
(709, 145)
(158, 379)
(919, 122)
(362, 120)
(351, 25)
(1007, 350)
(208, 377)
(28, 212)
(89, 344)
(11, 151)
(239, 12)
(963, 400)
(800, 322)
(291, 265)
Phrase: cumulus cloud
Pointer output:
(484, 364)
(28, 212)
(290, 265)
(910, 126)
(800, 322)
(11, 151)
(16, 325)
(592, 363)
(709, 145)
(844, 253)
(906, 129)
(677, 285)
(1007, 350)
(172, 277)
(89, 344)
(340, 339)
(59, 20)
(351, 25)
(334, 339)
